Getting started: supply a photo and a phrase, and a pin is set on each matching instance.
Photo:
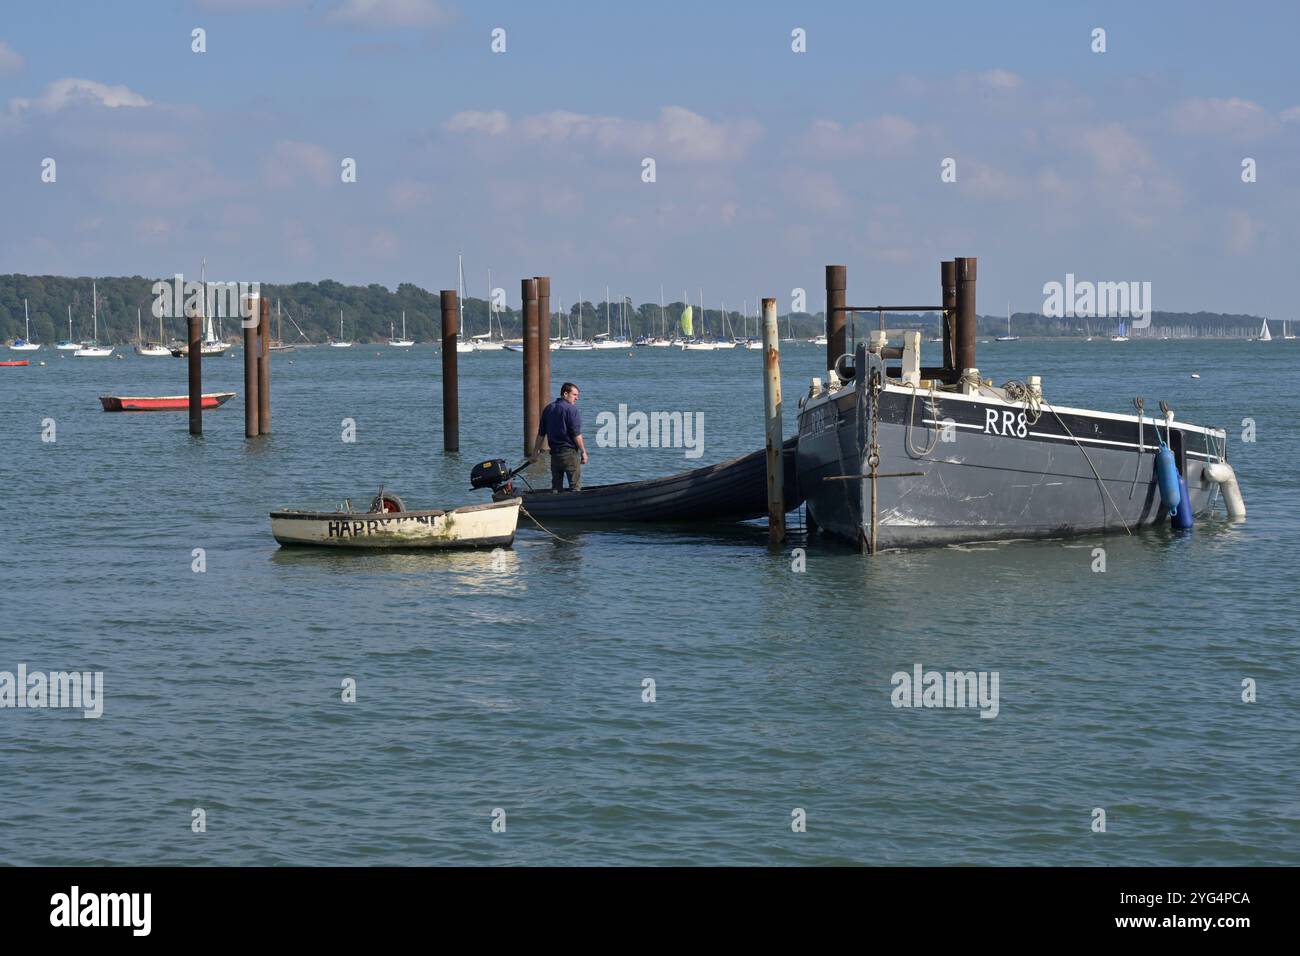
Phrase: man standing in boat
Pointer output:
(561, 427)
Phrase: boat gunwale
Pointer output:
(293, 515)
(981, 398)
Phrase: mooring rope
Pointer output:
(936, 432)
(1100, 483)
(543, 527)
(1034, 404)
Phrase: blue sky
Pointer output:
(1123, 165)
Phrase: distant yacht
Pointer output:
(1286, 330)
(68, 345)
(340, 342)
(1120, 334)
(150, 349)
(1264, 335)
(1008, 337)
(25, 344)
(403, 342)
(93, 349)
(212, 345)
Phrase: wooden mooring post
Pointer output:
(450, 383)
(194, 358)
(772, 424)
(264, 369)
(543, 343)
(252, 307)
(532, 360)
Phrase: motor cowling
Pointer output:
(490, 474)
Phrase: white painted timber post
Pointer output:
(772, 422)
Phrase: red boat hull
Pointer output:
(160, 403)
(14, 364)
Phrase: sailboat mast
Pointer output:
(663, 323)
(94, 309)
(489, 305)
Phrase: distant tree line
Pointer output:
(369, 312)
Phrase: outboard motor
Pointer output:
(490, 474)
(497, 475)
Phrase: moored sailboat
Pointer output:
(25, 344)
(68, 344)
(1008, 337)
(403, 342)
(340, 342)
(149, 349)
(93, 349)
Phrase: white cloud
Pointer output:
(72, 92)
(676, 134)
(1113, 149)
(882, 135)
(388, 14)
(292, 161)
(1230, 118)
(998, 79)
(11, 61)
(492, 123)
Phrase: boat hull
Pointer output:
(206, 351)
(731, 491)
(1001, 476)
(474, 526)
(161, 403)
(14, 364)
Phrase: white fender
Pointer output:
(1223, 473)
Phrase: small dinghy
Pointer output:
(13, 364)
(389, 525)
(160, 403)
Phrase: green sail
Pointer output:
(686, 322)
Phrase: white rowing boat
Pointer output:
(473, 526)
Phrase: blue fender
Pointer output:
(1181, 520)
(1167, 478)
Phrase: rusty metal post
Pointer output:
(264, 370)
(544, 342)
(252, 403)
(772, 424)
(532, 358)
(948, 317)
(194, 356)
(965, 314)
(836, 337)
(450, 385)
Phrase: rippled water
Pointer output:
(520, 686)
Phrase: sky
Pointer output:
(768, 163)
